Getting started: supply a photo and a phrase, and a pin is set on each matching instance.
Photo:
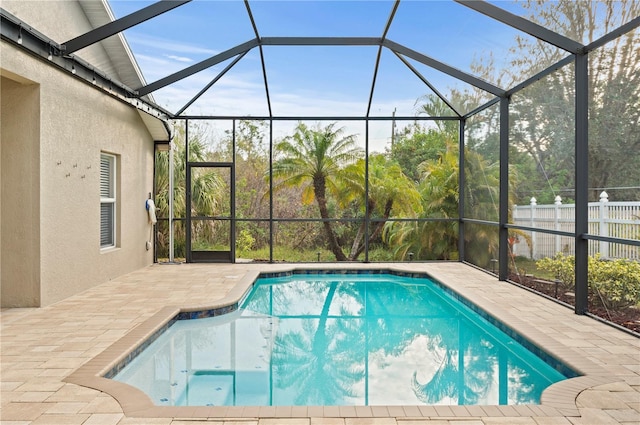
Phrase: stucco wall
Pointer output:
(61, 20)
(77, 123)
(20, 192)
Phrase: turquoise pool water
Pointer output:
(339, 339)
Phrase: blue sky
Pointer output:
(324, 81)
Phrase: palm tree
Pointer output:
(387, 185)
(439, 192)
(208, 187)
(314, 158)
(439, 187)
(434, 106)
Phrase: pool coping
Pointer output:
(557, 400)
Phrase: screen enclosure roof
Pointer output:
(367, 59)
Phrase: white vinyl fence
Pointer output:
(611, 219)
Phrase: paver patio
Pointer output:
(42, 347)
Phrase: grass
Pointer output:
(525, 266)
(281, 253)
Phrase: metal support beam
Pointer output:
(264, 68)
(320, 41)
(377, 66)
(266, 81)
(622, 30)
(427, 83)
(394, 9)
(271, 239)
(120, 25)
(481, 108)
(171, 166)
(232, 183)
(582, 182)
(253, 21)
(215, 80)
(633, 242)
(461, 194)
(18, 32)
(200, 66)
(373, 82)
(187, 193)
(503, 215)
(48, 51)
(523, 24)
(367, 220)
(539, 76)
(449, 70)
(322, 118)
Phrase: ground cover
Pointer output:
(627, 317)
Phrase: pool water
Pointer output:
(339, 339)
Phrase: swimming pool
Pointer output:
(343, 339)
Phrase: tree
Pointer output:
(208, 187)
(414, 145)
(251, 164)
(314, 159)
(387, 185)
(433, 106)
(543, 114)
(439, 190)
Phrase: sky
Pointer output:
(318, 80)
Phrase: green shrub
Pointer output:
(615, 283)
(562, 268)
(245, 241)
(379, 253)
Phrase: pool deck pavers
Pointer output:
(44, 350)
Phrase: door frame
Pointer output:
(212, 256)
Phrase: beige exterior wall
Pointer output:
(61, 20)
(20, 192)
(54, 128)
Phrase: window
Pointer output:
(107, 201)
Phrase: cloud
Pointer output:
(157, 67)
(243, 94)
(179, 58)
(145, 41)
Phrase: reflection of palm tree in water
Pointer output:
(325, 364)
(323, 368)
(466, 376)
(484, 363)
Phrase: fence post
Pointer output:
(557, 202)
(533, 204)
(603, 218)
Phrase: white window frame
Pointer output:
(109, 198)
